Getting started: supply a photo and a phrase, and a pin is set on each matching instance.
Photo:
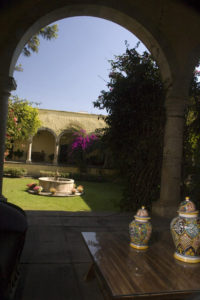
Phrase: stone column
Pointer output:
(172, 157)
(6, 86)
(29, 152)
(56, 151)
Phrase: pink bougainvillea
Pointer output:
(82, 140)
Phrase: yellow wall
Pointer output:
(61, 124)
(60, 121)
(44, 141)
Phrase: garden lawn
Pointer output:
(97, 197)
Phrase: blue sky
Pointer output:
(68, 73)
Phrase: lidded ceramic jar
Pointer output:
(140, 229)
(185, 230)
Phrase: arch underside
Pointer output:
(138, 25)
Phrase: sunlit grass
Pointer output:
(97, 197)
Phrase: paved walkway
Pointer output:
(55, 259)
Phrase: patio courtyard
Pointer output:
(55, 260)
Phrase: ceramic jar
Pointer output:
(140, 230)
(185, 230)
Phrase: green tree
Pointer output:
(191, 161)
(136, 118)
(134, 102)
(48, 33)
(22, 123)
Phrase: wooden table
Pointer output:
(126, 273)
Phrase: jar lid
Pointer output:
(142, 214)
(187, 207)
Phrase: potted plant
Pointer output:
(38, 189)
(80, 189)
(74, 191)
(31, 185)
(52, 191)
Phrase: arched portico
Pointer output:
(41, 147)
(64, 140)
(156, 24)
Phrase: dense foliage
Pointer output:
(49, 32)
(136, 117)
(134, 103)
(22, 123)
(81, 147)
(191, 161)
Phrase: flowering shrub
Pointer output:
(22, 122)
(82, 140)
(31, 185)
(73, 191)
(80, 147)
(37, 189)
(80, 188)
(52, 190)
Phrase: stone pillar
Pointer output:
(172, 157)
(29, 152)
(56, 151)
(6, 86)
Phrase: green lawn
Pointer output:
(97, 197)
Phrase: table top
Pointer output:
(129, 272)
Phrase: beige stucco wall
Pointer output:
(59, 121)
(58, 126)
(44, 141)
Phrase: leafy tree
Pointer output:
(136, 118)
(23, 120)
(134, 103)
(22, 123)
(191, 162)
(48, 33)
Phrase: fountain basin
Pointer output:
(62, 185)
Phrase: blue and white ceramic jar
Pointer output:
(185, 230)
(140, 230)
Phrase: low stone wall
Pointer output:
(34, 169)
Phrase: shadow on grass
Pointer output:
(97, 196)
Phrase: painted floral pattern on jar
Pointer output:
(185, 231)
(140, 229)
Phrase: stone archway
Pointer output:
(155, 23)
(43, 146)
(64, 140)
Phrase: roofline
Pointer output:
(71, 112)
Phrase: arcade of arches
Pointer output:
(169, 29)
(51, 142)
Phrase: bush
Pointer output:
(38, 156)
(18, 153)
(15, 172)
(88, 177)
(53, 174)
(47, 174)
(76, 176)
(31, 185)
(51, 157)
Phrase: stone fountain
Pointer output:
(63, 186)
